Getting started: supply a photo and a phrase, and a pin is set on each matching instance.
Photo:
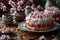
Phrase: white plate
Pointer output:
(22, 26)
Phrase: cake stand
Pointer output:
(22, 26)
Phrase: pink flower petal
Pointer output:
(4, 8)
(12, 10)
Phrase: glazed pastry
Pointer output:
(38, 21)
(53, 11)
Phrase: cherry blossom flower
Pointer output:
(5, 30)
(40, 7)
(12, 3)
(19, 8)
(5, 37)
(20, 3)
(1, 5)
(4, 8)
(13, 10)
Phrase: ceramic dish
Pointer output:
(22, 26)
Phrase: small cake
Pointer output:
(5, 30)
(38, 21)
(53, 11)
(5, 37)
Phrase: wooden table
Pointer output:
(29, 35)
(18, 32)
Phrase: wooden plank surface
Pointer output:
(25, 35)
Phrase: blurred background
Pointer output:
(41, 2)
